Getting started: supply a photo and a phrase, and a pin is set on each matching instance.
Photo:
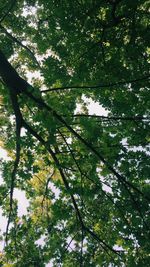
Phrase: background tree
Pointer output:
(76, 51)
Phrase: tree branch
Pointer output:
(137, 118)
(120, 178)
(41, 140)
(17, 159)
(17, 41)
(46, 187)
(109, 85)
(94, 182)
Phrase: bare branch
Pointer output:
(137, 118)
(109, 85)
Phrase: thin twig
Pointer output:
(137, 118)
(109, 85)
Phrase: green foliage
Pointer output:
(86, 177)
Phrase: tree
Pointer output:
(98, 165)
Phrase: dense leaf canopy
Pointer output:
(85, 175)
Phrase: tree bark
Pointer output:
(10, 77)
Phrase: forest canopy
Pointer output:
(85, 176)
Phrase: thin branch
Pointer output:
(46, 187)
(137, 118)
(13, 176)
(109, 85)
(95, 182)
(136, 204)
(96, 237)
(41, 140)
(17, 157)
(120, 177)
(14, 39)
(68, 245)
(39, 179)
(107, 195)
